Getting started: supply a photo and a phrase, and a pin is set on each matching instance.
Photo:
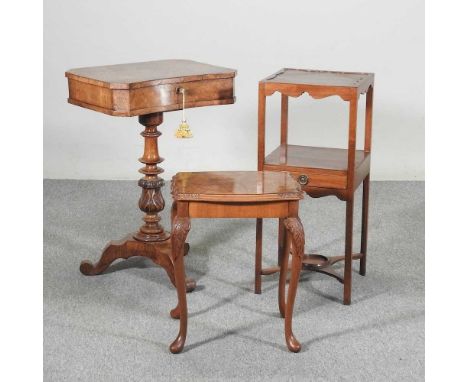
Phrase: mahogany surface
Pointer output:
(324, 158)
(321, 171)
(150, 87)
(326, 78)
(147, 90)
(318, 83)
(319, 167)
(217, 194)
(238, 185)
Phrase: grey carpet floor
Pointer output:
(116, 326)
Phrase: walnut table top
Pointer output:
(149, 87)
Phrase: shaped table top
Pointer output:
(234, 186)
(140, 74)
(150, 87)
(319, 77)
(317, 82)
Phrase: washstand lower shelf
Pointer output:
(317, 263)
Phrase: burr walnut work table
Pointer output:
(321, 171)
(238, 195)
(147, 90)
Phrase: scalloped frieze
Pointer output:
(316, 94)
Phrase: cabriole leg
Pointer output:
(180, 229)
(296, 232)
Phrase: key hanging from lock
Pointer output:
(184, 129)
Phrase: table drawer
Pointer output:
(151, 99)
(167, 97)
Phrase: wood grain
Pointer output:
(150, 87)
(313, 80)
(322, 171)
(227, 187)
(147, 89)
(240, 186)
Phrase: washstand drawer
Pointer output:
(327, 179)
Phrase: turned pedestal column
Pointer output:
(151, 200)
(151, 241)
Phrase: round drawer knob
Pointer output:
(303, 180)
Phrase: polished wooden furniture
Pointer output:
(238, 195)
(321, 171)
(146, 90)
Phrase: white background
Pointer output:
(257, 38)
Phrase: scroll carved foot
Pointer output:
(113, 251)
(158, 252)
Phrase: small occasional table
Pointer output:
(238, 194)
(146, 90)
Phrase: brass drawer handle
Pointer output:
(303, 180)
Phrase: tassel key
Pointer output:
(184, 129)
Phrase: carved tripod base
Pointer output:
(159, 252)
(151, 241)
